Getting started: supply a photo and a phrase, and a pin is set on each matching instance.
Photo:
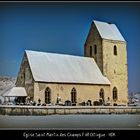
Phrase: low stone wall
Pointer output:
(63, 110)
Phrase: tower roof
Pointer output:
(108, 31)
(60, 68)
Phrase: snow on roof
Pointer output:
(16, 92)
(60, 68)
(108, 31)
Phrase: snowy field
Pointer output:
(71, 122)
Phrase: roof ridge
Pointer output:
(60, 54)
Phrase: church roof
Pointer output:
(108, 31)
(60, 68)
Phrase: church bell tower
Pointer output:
(108, 48)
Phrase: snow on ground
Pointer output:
(6, 83)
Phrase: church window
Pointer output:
(115, 94)
(95, 49)
(73, 95)
(115, 50)
(101, 94)
(47, 95)
(90, 50)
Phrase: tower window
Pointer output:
(47, 95)
(115, 94)
(95, 49)
(115, 50)
(90, 50)
(73, 95)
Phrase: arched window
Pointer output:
(95, 49)
(115, 94)
(90, 50)
(115, 50)
(101, 94)
(47, 95)
(73, 95)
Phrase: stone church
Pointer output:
(98, 77)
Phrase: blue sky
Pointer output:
(63, 28)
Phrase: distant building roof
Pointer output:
(60, 68)
(108, 31)
(16, 92)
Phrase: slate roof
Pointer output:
(60, 68)
(108, 31)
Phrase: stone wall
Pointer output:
(94, 39)
(25, 77)
(83, 92)
(65, 110)
(115, 68)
